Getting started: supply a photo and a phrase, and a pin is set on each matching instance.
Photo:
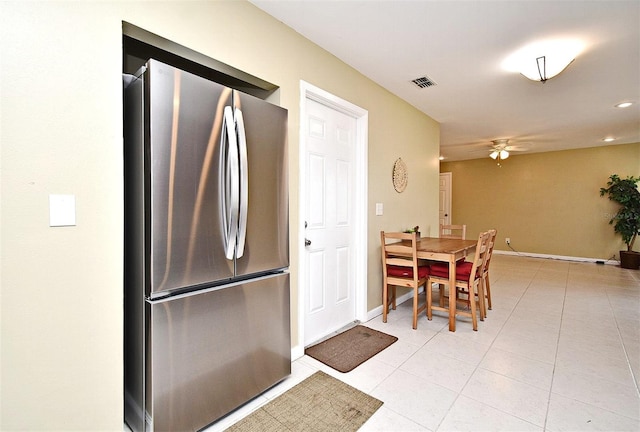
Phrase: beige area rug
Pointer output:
(320, 403)
(351, 348)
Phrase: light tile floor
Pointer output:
(560, 351)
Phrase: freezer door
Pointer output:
(210, 352)
(184, 124)
(263, 233)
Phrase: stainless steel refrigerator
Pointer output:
(206, 243)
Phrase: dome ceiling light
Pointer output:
(624, 104)
(544, 60)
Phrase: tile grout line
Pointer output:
(555, 357)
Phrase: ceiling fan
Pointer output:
(501, 149)
(520, 145)
(482, 149)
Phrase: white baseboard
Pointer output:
(297, 352)
(557, 257)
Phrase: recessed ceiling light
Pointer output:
(624, 105)
(441, 158)
(608, 139)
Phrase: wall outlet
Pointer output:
(507, 240)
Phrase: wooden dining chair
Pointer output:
(453, 231)
(468, 280)
(485, 272)
(486, 287)
(400, 268)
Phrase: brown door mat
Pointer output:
(351, 348)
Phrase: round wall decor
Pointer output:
(400, 175)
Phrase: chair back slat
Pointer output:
(492, 242)
(398, 261)
(397, 249)
(453, 231)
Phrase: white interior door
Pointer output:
(329, 220)
(445, 198)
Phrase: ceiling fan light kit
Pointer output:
(502, 154)
(499, 150)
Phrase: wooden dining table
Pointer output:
(450, 251)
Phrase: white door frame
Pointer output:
(309, 91)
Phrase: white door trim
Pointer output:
(309, 91)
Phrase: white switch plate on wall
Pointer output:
(379, 209)
(62, 210)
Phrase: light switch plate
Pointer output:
(379, 209)
(62, 210)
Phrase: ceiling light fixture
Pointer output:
(544, 60)
(500, 155)
(499, 152)
(624, 105)
(608, 139)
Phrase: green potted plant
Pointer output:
(627, 219)
(415, 229)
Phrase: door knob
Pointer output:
(307, 242)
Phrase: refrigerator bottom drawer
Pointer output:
(211, 352)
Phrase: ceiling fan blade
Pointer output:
(518, 148)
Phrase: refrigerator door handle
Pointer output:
(244, 182)
(229, 182)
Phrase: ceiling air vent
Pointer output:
(424, 82)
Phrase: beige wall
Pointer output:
(414, 143)
(547, 203)
(60, 132)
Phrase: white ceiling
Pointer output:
(460, 45)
